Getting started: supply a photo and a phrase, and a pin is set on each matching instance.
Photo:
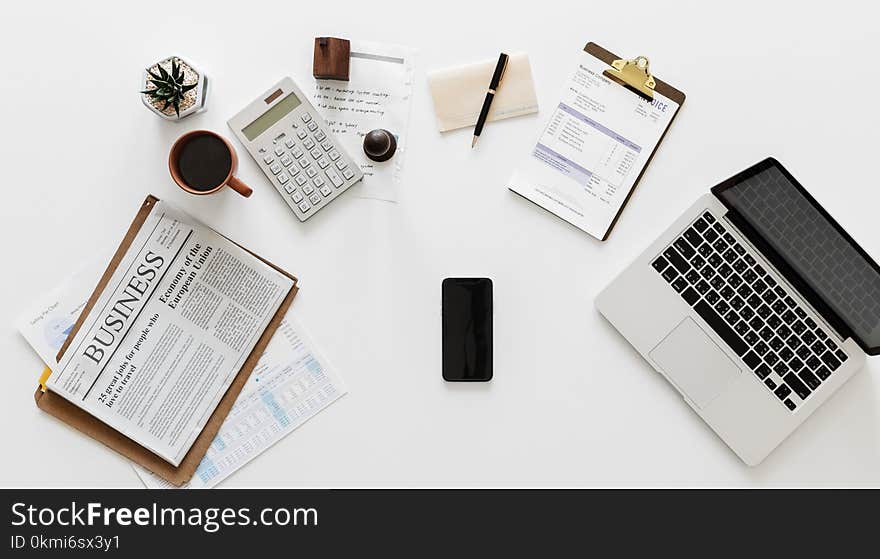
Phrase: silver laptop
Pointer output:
(755, 305)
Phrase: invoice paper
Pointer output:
(169, 333)
(290, 385)
(592, 149)
(377, 95)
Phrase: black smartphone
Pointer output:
(467, 329)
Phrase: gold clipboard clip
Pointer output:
(634, 74)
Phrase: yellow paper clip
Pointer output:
(634, 74)
(44, 377)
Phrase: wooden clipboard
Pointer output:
(83, 421)
(660, 87)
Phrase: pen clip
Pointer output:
(503, 69)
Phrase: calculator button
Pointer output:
(327, 145)
(275, 168)
(325, 190)
(334, 155)
(347, 173)
(318, 181)
(297, 197)
(319, 135)
(308, 189)
(302, 134)
(283, 178)
(301, 180)
(293, 170)
(286, 160)
(312, 126)
(316, 153)
(323, 162)
(279, 151)
(304, 206)
(341, 164)
(289, 143)
(309, 143)
(334, 177)
(269, 158)
(306, 117)
(297, 152)
(289, 188)
(305, 162)
(311, 172)
(315, 199)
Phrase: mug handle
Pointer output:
(240, 187)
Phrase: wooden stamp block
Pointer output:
(331, 58)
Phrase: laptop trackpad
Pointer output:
(695, 363)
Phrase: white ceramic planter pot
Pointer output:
(194, 99)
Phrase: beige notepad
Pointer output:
(459, 92)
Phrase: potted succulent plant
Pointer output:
(174, 88)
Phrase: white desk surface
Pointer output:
(571, 403)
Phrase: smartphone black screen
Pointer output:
(467, 329)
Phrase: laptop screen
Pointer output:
(802, 234)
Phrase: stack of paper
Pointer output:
(290, 384)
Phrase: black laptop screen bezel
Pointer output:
(830, 315)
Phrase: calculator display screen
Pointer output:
(268, 119)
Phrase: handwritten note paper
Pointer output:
(377, 95)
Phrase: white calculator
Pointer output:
(294, 147)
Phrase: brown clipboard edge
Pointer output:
(662, 88)
(81, 420)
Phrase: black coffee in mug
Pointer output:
(204, 162)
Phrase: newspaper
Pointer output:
(290, 385)
(167, 336)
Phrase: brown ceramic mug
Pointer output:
(203, 162)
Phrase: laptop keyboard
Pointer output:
(754, 314)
